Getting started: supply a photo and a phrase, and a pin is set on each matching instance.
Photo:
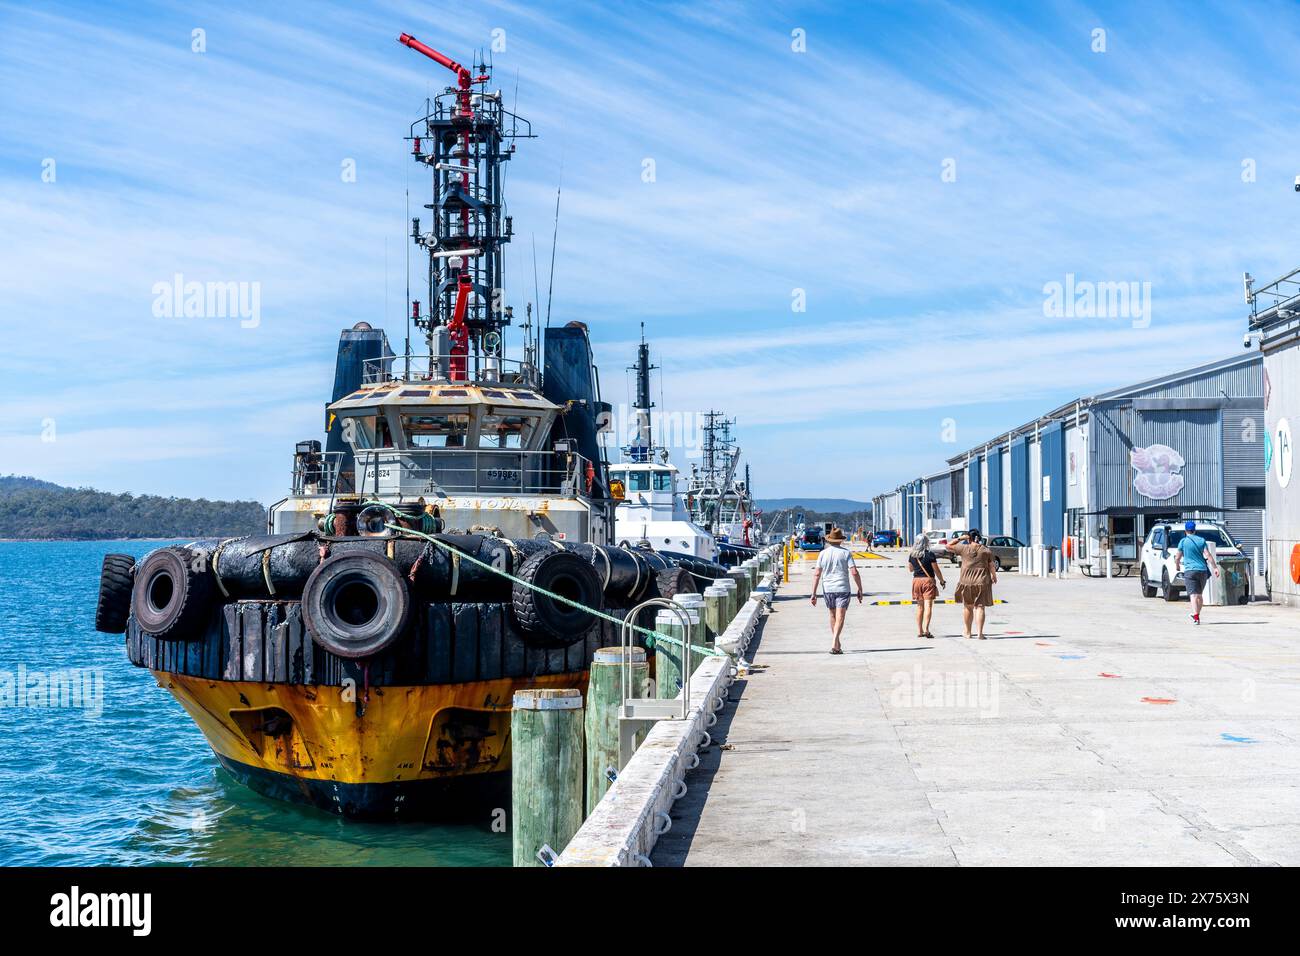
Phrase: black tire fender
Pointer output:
(355, 604)
(544, 621)
(115, 582)
(172, 593)
(674, 581)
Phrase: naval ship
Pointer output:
(718, 498)
(361, 656)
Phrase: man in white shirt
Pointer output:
(833, 568)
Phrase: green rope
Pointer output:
(651, 636)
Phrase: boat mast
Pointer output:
(644, 441)
(463, 143)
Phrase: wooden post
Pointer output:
(732, 606)
(669, 658)
(715, 602)
(741, 577)
(545, 771)
(604, 698)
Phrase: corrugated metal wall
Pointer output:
(1019, 490)
(1243, 467)
(958, 477)
(1052, 438)
(1006, 489)
(994, 467)
(1283, 515)
(1119, 428)
(974, 503)
(938, 493)
(1035, 493)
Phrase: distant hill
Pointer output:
(815, 504)
(40, 510)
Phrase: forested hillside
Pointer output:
(30, 508)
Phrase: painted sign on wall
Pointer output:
(1157, 468)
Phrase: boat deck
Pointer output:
(1093, 727)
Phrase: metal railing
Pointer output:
(424, 369)
(422, 471)
(317, 473)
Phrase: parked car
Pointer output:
(813, 539)
(1006, 551)
(1158, 561)
(884, 538)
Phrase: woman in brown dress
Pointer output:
(975, 586)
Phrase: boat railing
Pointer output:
(430, 471)
(480, 369)
(316, 472)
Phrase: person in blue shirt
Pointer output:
(1196, 561)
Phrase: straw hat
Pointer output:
(834, 536)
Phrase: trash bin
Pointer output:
(1233, 584)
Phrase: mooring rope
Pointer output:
(651, 636)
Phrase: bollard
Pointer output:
(715, 602)
(668, 669)
(546, 771)
(741, 577)
(1110, 563)
(694, 605)
(604, 698)
(1042, 562)
(732, 606)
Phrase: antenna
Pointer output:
(555, 233)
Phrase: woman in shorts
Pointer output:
(975, 586)
(925, 574)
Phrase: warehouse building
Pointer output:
(1101, 470)
(1275, 323)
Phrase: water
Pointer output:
(138, 784)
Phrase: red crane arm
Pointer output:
(462, 75)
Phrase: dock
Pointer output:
(1093, 727)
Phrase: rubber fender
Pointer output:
(356, 604)
(172, 593)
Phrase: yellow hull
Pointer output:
(394, 753)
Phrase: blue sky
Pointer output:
(775, 171)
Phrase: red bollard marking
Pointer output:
(1158, 700)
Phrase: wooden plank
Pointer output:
(464, 662)
(277, 645)
(299, 650)
(490, 640)
(253, 642)
(514, 651)
(439, 644)
(232, 623)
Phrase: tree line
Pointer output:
(41, 510)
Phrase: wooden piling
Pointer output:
(669, 658)
(546, 771)
(715, 602)
(604, 698)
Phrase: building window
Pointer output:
(1250, 496)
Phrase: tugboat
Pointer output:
(652, 513)
(362, 655)
(718, 500)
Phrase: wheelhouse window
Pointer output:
(638, 481)
(506, 431)
(434, 430)
(663, 480)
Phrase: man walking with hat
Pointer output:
(833, 568)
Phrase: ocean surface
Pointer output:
(136, 784)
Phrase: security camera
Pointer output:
(1245, 342)
(1297, 184)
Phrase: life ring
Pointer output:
(1295, 564)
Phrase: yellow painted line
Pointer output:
(949, 601)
